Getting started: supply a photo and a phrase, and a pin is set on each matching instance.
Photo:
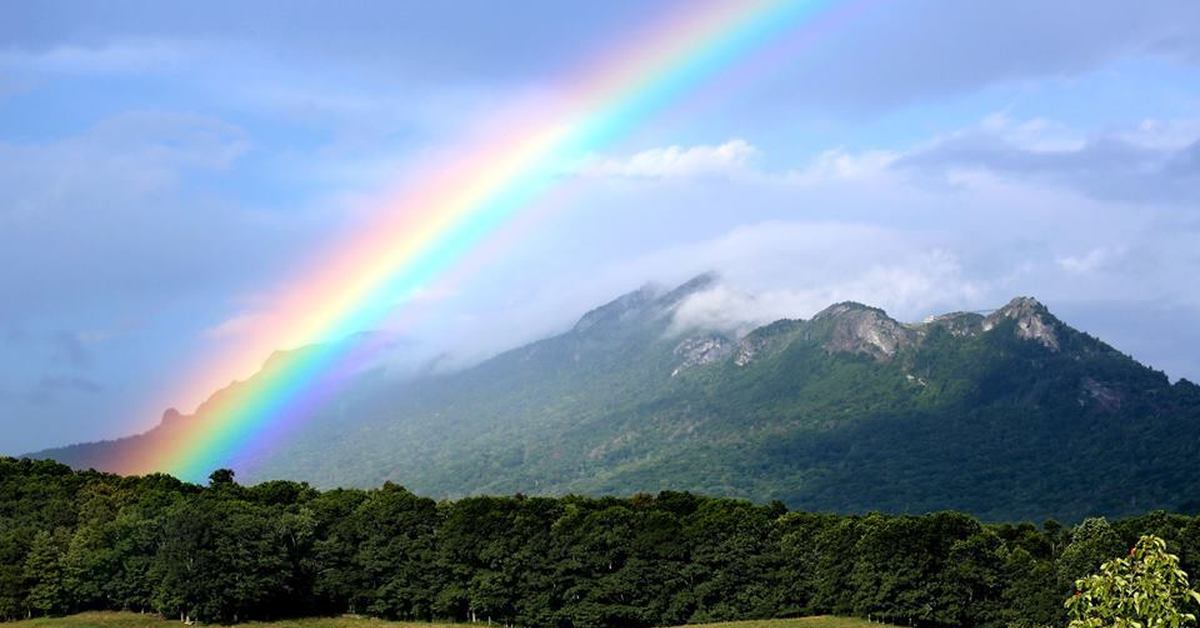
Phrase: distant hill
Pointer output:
(1010, 415)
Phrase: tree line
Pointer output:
(73, 541)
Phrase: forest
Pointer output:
(72, 541)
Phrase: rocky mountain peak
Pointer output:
(1034, 321)
(845, 308)
(1022, 305)
(858, 328)
(171, 415)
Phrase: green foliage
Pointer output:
(1092, 543)
(1146, 589)
(74, 541)
(230, 553)
(44, 575)
(97, 619)
(219, 559)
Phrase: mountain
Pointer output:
(1012, 415)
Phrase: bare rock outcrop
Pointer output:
(1034, 321)
(701, 350)
(857, 328)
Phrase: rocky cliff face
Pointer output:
(701, 350)
(857, 328)
(1034, 321)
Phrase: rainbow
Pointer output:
(433, 225)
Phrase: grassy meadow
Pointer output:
(134, 620)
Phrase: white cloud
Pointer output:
(118, 162)
(1159, 134)
(793, 270)
(235, 326)
(1155, 162)
(839, 165)
(729, 158)
(1034, 134)
(1096, 259)
(122, 57)
(115, 212)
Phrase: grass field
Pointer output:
(134, 620)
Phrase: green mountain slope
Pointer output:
(1012, 415)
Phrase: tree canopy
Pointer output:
(73, 541)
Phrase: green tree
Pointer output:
(1092, 542)
(339, 582)
(220, 559)
(221, 477)
(1146, 589)
(44, 575)
(1031, 597)
(13, 589)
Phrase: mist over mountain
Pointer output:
(1008, 414)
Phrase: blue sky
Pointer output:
(166, 165)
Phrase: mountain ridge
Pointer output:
(849, 410)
